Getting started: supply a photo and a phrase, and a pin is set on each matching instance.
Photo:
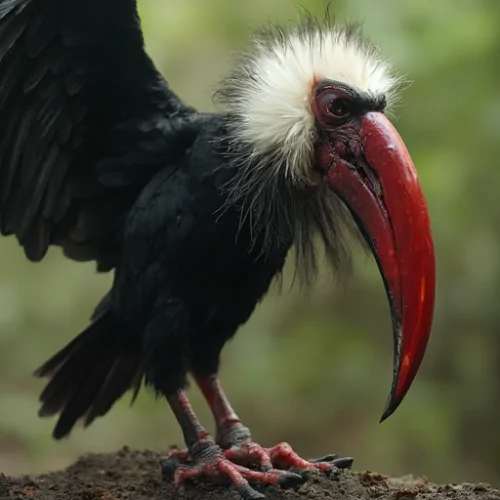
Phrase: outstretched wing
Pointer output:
(85, 121)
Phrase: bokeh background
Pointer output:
(315, 370)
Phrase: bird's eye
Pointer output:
(332, 106)
(339, 108)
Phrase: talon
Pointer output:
(248, 493)
(343, 463)
(290, 480)
(327, 458)
(168, 467)
(305, 474)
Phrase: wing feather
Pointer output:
(87, 121)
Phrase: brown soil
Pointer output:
(134, 475)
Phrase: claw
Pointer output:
(305, 474)
(248, 493)
(168, 467)
(343, 463)
(327, 458)
(290, 480)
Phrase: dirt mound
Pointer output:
(134, 475)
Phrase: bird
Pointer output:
(195, 213)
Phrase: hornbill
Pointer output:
(195, 212)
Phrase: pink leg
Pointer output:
(237, 444)
(205, 459)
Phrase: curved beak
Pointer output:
(385, 199)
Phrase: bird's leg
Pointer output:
(205, 459)
(236, 441)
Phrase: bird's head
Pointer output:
(309, 136)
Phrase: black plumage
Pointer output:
(88, 122)
(101, 158)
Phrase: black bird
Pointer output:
(195, 213)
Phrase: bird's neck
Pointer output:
(275, 213)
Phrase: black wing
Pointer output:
(85, 121)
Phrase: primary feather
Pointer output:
(86, 123)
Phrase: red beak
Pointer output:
(385, 198)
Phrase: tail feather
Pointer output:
(81, 398)
(126, 373)
(79, 342)
(68, 371)
(90, 374)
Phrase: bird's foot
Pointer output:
(239, 448)
(282, 457)
(206, 460)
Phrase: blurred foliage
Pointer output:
(315, 370)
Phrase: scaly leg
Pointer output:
(237, 444)
(205, 458)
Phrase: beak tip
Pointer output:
(390, 408)
(387, 413)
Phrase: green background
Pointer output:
(315, 370)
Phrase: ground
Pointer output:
(134, 475)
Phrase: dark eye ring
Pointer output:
(339, 108)
(332, 106)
